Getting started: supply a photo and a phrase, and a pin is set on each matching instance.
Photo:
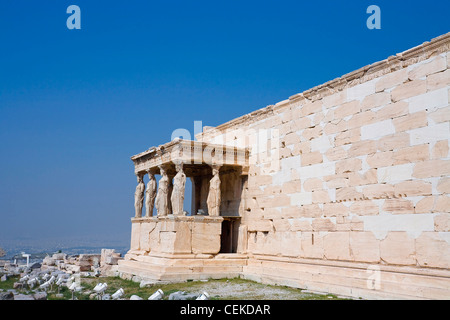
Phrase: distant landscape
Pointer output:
(39, 248)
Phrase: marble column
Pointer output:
(150, 194)
(179, 184)
(214, 195)
(161, 201)
(139, 196)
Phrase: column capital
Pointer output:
(215, 166)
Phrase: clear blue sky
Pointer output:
(76, 104)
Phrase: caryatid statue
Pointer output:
(139, 196)
(179, 183)
(161, 202)
(150, 194)
(214, 196)
(169, 194)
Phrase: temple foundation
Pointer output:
(179, 248)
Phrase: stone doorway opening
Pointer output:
(229, 235)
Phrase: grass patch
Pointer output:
(220, 289)
(9, 283)
(239, 289)
(132, 288)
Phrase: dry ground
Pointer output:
(229, 289)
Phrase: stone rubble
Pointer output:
(181, 295)
(58, 270)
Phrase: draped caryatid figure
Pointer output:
(150, 194)
(139, 196)
(161, 202)
(214, 195)
(179, 183)
(169, 194)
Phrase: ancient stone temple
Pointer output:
(172, 245)
(343, 188)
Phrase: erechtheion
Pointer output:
(343, 188)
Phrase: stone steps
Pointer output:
(172, 270)
(349, 281)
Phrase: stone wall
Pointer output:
(231, 190)
(355, 171)
(176, 235)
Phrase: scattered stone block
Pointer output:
(6, 295)
(40, 296)
(18, 285)
(23, 297)
(59, 256)
(36, 265)
(49, 261)
(181, 295)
